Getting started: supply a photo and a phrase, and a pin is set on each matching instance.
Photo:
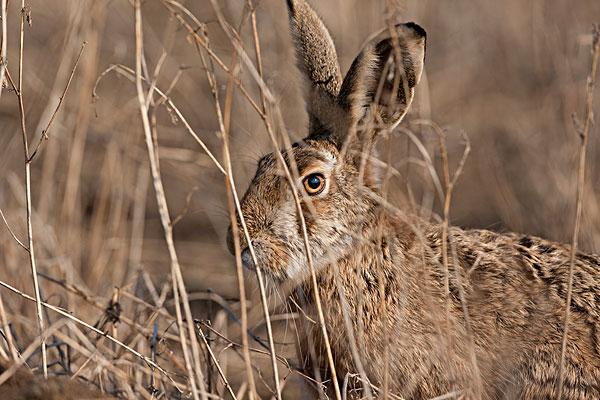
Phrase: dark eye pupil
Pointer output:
(314, 181)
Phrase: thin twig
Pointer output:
(6, 374)
(583, 133)
(32, 263)
(4, 48)
(90, 327)
(179, 291)
(44, 135)
(186, 207)
(198, 39)
(130, 74)
(252, 394)
(11, 231)
(267, 97)
(259, 272)
(216, 362)
(7, 333)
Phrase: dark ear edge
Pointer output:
(383, 76)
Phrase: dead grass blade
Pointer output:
(583, 132)
(179, 292)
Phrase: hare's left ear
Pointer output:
(382, 78)
(318, 63)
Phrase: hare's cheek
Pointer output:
(279, 258)
(272, 257)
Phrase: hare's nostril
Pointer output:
(247, 260)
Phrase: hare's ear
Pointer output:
(318, 63)
(383, 76)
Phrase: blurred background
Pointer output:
(509, 74)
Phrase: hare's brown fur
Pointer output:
(494, 331)
(513, 288)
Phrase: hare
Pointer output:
(485, 320)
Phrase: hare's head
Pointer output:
(335, 162)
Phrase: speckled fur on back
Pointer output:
(496, 335)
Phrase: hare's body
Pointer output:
(485, 321)
(511, 290)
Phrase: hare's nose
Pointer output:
(247, 260)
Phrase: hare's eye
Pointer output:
(314, 184)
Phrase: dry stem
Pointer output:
(584, 136)
(44, 135)
(12, 233)
(92, 328)
(4, 48)
(179, 291)
(32, 262)
(259, 273)
(252, 394)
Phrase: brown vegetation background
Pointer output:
(509, 74)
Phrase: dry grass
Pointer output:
(508, 74)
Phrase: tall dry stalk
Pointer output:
(231, 207)
(46, 130)
(583, 132)
(18, 89)
(92, 328)
(4, 44)
(259, 274)
(290, 173)
(195, 374)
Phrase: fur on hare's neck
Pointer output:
(375, 267)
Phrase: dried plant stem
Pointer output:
(7, 333)
(91, 352)
(252, 394)
(267, 97)
(241, 286)
(130, 74)
(32, 262)
(259, 274)
(179, 291)
(449, 184)
(44, 134)
(583, 132)
(198, 39)
(261, 286)
(4, 45)
(216, 362)
(12, 233)
(92, 328)
(6, 374)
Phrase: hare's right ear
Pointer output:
(318, 63)
(383, 76)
